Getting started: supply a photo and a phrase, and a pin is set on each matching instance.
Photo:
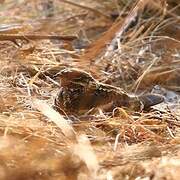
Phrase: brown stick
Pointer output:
(13, 37)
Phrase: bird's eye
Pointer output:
(78, 79)
(82, 79)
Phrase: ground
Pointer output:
(36, 142)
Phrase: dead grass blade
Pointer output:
(87, 8)
(79, 143)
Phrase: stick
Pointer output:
(13, 37)
(86, 7)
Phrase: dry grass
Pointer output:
(38, 143)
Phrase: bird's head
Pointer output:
(75, 76)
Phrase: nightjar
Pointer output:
(80, 92)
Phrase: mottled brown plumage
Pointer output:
(80, 92)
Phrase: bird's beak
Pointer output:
(149, 100)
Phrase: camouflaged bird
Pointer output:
(80, 92)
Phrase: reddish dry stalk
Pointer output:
(13, 37)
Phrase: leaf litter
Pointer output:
(38, 143)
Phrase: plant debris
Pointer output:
(133, 45)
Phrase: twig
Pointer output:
(86, 7)
(138, 81)
(14, 37)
